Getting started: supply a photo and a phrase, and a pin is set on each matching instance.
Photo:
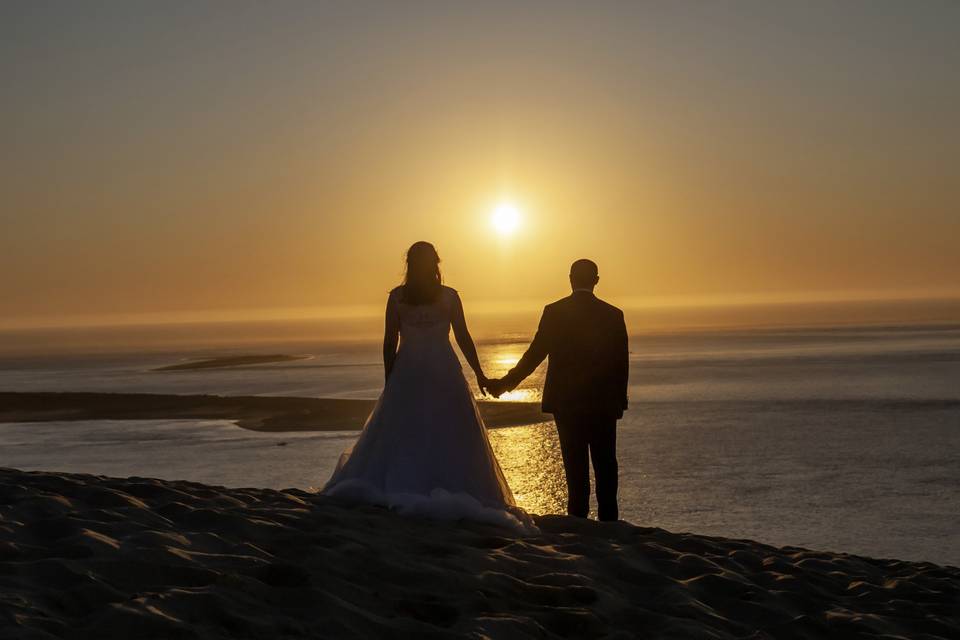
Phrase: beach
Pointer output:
(92, 556)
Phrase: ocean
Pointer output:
(841, 439)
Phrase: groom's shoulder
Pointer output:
(598, 308)
(597, 303)
(556, 304)
(609, 308)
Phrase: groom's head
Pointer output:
(583, 274)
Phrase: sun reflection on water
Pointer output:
(521, 395)
(529, 455)
(530, 458)
(499, 359)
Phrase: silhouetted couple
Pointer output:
(424, 448)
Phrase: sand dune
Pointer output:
(95, 557)
(259, 413)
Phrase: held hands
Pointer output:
(488, 386)
(484, 383)
(494, 387)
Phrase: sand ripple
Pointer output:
(94, 557)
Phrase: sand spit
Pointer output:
(259, 413)
(94, 557)
(231, 361)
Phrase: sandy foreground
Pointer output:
(259, 413)
(95, 557)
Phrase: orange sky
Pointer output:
(231, 162)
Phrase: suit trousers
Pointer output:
(584, 436)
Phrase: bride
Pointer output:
(424, 448)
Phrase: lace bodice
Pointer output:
(425, 321)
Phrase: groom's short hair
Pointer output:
(583, 273)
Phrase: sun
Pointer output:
(505, 218)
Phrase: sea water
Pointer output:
(842, 439)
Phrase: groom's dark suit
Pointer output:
(586, 390)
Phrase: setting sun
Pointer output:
(505, 218)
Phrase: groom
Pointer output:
(585, 389)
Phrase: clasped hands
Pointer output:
(495, 386)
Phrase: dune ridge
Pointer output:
(90, 556)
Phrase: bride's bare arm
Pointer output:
(391, 336)
(465, 341)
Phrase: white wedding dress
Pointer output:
(424, 448)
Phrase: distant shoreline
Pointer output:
(257, 413)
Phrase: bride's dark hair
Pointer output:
(421, 284)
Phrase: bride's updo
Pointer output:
(421, 284)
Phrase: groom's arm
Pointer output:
(536, 353)
(623, 358)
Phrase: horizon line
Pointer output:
(483, 308)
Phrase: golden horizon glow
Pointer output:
(249, 173)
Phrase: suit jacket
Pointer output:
(586, 342)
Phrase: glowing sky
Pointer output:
(197, 157)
